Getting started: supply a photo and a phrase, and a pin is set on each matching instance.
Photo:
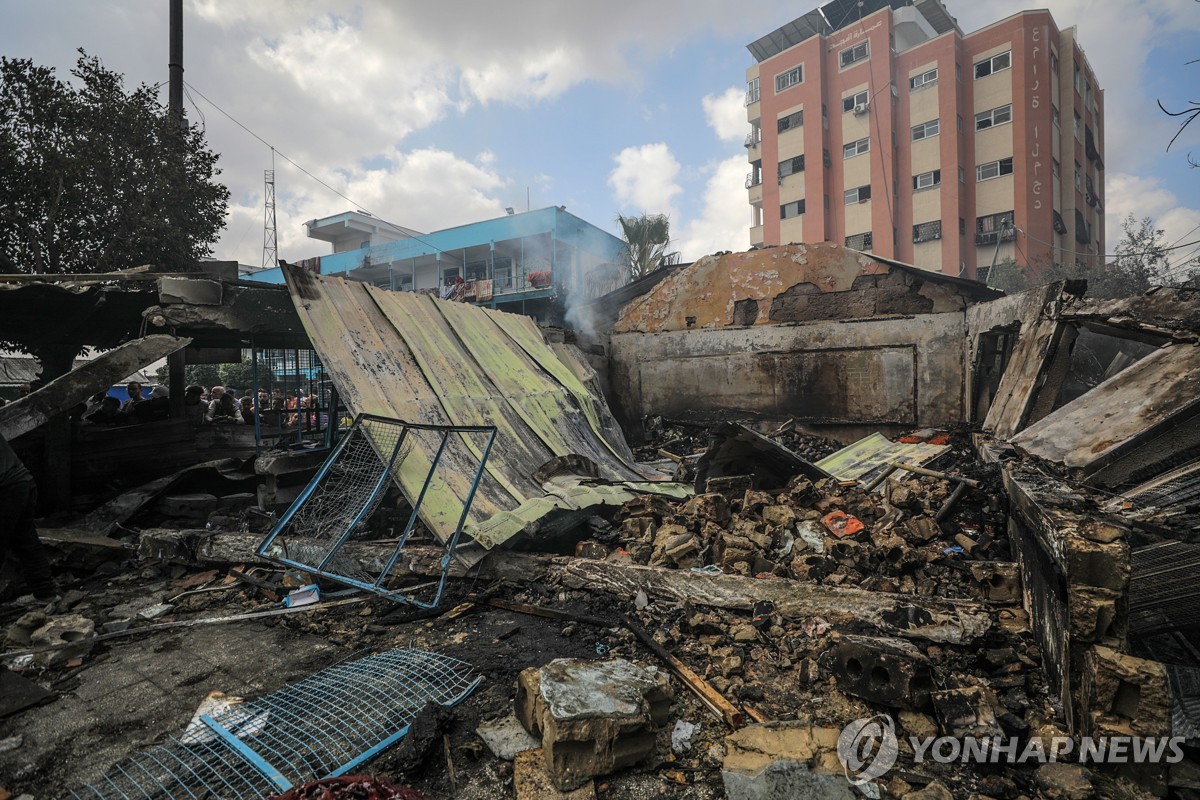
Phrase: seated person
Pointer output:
(223, 409)
(135, 396)
(109, 413)
(93, 402)
(194, 407)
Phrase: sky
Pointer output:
(431, 115)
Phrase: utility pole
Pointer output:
(177, 360)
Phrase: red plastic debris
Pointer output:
(841, 524)
(352, 787)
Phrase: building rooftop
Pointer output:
(837, 14)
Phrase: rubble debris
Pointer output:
(875, 454)
(68, 636)
(784, 759)
(533, 781)
(1061, 781)
(738, 451)
(593, 717)
(890, 672)
(18, 693)
(351, 787)
(505, 737)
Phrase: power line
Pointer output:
(277, 152)
(1109, 255)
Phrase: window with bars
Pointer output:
(852, 55)
(926, 130)
(791, 121)
(852, 100)
(786, 80)
(993, 117)
(790, 166)
(996, 63)
(927, 78)
(859, 194)
(793, 209)
(1083, 231)
(927, 180)
(853, 149)
(859, 241)
(992, 228)
(927, 231)
(994, 169)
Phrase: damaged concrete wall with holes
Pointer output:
(818, 333)
(1094, 405)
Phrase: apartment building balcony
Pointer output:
(756, 235)
(753, 145)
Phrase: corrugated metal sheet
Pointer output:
(422, 360)
(866, 457)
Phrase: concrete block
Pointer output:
(75, 632)
(784, 759)
(188, 506)
(998, 581)
(966, 712)
(888, 671)
(593, 717)
(1124, 695)
(192, 291)
(708, 506)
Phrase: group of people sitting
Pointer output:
(217, 406)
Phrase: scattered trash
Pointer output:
(304, 596)
(155, 611)
(842, 524)
(681, 736)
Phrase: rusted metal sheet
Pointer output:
(1141, 417)
(409, 356)
(62, 393)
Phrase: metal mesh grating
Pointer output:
(348, 488)
(322, 727)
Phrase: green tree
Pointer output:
(94, 178)
(1141, 261)
(206, 375)
(647, 238)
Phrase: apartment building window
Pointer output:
(786, 80)
(1054, 63)
(959, 123)
(1083, 231)
(1078, 128)
(752, 94)
(1060, 225)
(859, 194)
(994, 117)
(927, 180)
(962, 175)
(962, 227)
(997, 63)
(851, 101)
(1054, 117)
(925, 130)
(1087, 94)
(859, 241)
(826, 159)
(791, 121)
(853, 55)
(754, 137)
(927, 231)
(856, 148)
(1055, 167)
(1078, 177)
(994, 169)
(1078, 78)
(754, 177)
(790, 166)
(793, 209)
(992, 228)
(927, 78)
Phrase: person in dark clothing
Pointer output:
(18, 536)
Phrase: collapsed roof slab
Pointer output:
(1136, 422)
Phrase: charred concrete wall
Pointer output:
(905, 371)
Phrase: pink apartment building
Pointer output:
(882, 125)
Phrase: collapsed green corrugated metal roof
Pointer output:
(415, 358)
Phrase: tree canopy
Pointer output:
(94, 178)
(646, 240)
(1142, 260)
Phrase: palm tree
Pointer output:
(646, 240)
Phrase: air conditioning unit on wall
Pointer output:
(860, 109)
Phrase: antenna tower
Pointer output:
(270, 256)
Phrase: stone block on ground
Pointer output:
(593, 717)
(784, 759)
(74, 633)
(506, 737)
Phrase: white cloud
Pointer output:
(724, 222)
(1147, 197)
(644, 179)
(726, 114)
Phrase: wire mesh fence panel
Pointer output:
(320, 727)
(338, 503)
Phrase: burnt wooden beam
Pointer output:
(926, 618)
(61, 394)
